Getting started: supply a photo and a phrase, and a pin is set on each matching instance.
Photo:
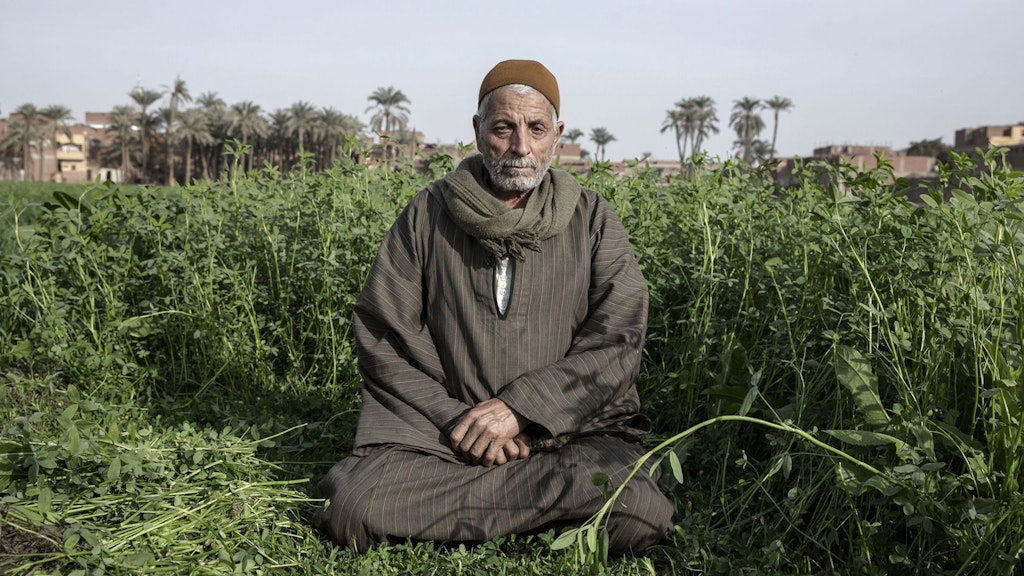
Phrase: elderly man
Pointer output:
(499, 335)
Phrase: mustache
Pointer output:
(516, 162)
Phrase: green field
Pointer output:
(835, 374)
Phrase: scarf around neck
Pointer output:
(504, 231)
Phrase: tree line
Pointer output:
(178, 143)
(186, 138)
(692, 120)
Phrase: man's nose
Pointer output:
(520, 143)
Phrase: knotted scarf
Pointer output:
(504, 231)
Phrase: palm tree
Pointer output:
(301, 119)
(215, 110)
(9, 146)
(144, 98)
(194, 128)
(675, 120)
(332, 128)
(122, 125)
(247, 123)
(210, 101)
(11, 142)
(278, 141)
(777, 104)
(573, 135)
(692, 120)
(706, 117)
(27, 128)
(748, 124)
(600, 137)
(761, 149)
(179, 93)
(391, 115)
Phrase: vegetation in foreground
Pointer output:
(835, 374)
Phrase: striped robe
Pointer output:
(432, 344)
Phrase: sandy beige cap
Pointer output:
(528, 72)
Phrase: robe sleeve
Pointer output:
(404, 396)
(592, 388)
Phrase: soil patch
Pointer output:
(21, 542)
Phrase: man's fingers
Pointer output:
(490, 434)
(495, 453)
(470, 439)
(511, 450)
(523, 445)
(459, 432)
(499, 456)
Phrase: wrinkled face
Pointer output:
(517, 137)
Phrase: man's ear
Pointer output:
(476, 131)
(559, 128)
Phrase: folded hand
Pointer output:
(491, 433)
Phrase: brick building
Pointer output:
(863, 158)
(969, 140)
(71, 153)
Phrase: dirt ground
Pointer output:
(21, 543)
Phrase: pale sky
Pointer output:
(884, 72)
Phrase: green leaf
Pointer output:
(854, 372)
(67, 416)
(925, 440)
(858, 480)
(565, 539)
(45, 499)
(602, 552)
(71, 541)
(114, 470)
(139, 559)
(867, 438)
(782, 462)
(29, 514)
(89, 537)
(22, 350)
(74, 441)
(677, 468)
(70, 203)
(748, 401)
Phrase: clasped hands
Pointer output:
(491, 433)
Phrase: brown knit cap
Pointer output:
(528, 72)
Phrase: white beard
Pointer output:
(515, 183)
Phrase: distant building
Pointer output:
(97, 139)
(866, 158)
(569, 157)
(969, 140)
(70, 157)
(862, 158)
(70, 153)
